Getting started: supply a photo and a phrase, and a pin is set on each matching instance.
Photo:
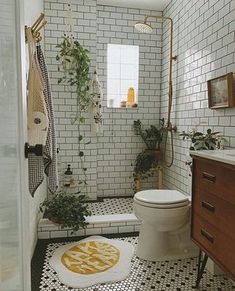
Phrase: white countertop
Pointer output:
(226, 156)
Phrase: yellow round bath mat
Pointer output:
(91, 261)
(90, 257)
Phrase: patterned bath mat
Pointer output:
(91, 261)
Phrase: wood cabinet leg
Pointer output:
(201, 267)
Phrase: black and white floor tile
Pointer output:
(112, 206)
(178, 275)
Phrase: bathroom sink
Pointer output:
(229, 152)
(224, 156)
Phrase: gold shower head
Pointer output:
(143, 27)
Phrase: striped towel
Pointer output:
(49, 154)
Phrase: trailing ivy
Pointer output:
(75, 63)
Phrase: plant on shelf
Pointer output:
(152, 136)
(202, 141)
(146, 162)
(67, 210)
(75, 64)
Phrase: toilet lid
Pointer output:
(161, 197)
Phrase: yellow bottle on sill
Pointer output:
(130, 97)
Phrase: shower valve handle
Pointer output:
(170, 127)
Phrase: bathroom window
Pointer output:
(122, 76)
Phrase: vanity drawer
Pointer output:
(214, 177)
(215, 210)
(215, 243)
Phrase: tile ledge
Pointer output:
(97, 219)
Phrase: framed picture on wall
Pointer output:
(221, 93)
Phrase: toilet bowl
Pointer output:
(164, 232)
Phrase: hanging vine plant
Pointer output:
(75, 63)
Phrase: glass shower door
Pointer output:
(11, 247)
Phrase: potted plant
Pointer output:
(202, 141)
(75, 62)
(151, 136)
(67, 210)
(147, 161)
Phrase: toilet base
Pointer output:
(161, 246)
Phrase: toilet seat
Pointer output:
(161, 199)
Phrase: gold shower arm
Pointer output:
(171, 30)
(171, 58)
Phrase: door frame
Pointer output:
(24, 218)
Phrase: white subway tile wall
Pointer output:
(84, 19)
(204, 41)
(109, 157)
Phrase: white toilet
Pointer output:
(164, 232)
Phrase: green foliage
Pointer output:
(152, 136)
(200, 141)
(70, 210)
(75, 61)
(147, 161)
(144, 166)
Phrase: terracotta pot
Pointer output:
(54, 219)
(156, 152)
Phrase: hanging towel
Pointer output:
(37, 115)
(36, 110)
(50, 149)
(96, 104)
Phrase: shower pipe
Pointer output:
(146, 28)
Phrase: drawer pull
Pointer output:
(207, 235)
(209, 177)
(208, 206)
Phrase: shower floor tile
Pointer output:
(112, 206)
(178, 275)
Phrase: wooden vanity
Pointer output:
(213, 209)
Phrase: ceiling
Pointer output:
(159, 5)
